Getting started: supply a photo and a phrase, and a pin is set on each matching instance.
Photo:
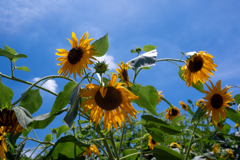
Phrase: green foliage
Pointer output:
(48, 138)
(23, 68)
(61, 130)
(6, 95)
(198, 114)
(233, 115)
(128, 152)
(24, 116)
(162, 152)
(146, 68)
(10, 56)
(101, 46)
(237, 98)
(148, 48)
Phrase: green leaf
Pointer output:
(148, 48)
(177, 119)
(48, 138)
(162, 152)
(13, 138)
(148, 97)
(156, 124)
(12, 51)
(237, 98)
(66, 146)
(61, 130)
(198, 114)
(130, 151)
(20, 148)
(156, 135)
(63, 97)
(233, 115)
(25, 132)
(6, 95)
(24, 117)
(146, 68)
(133, 51)
(226, 128)
(101, 46)
(23, 68)
(11, 56)
(32, 101)
(199, 87)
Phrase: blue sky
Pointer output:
(38, 28)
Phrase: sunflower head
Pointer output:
(75, 60)
(217, 124)
(183, 105)
(200, 103)
(160, 96)
(215, 148)
(90, 149)
(216, 101)
(151, 142)
(175, 145)
(123, 73)
(198, 68)
(112, 102)
(101, 67)
(172, 113)
(3, 146)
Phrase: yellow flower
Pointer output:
(198, 67)
(3, 146)
(218, 124)
(172, 113)
(151, 142)
(175, 145)
(217, 100)
(215, 148)
(92, 148)
(75, 60)
(183, 105)
(160, 96)
(236, 125)
(123, 73)
(228, 154)
(200, 103)
(114, 100)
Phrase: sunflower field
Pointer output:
(101, 120)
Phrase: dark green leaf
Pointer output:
(13, 138)
(237, 98)
(32, 101)
(25, 132)
(156, 135)
(61, 130)
(23, 68)
(63, 97)
(130, 151)
(20, 148)
(6, 95)
(233, 115)
(198, 114)
(148, 48)
(101, 46)
(23, 116)
(190, 111)
(133, 51)
(162, 152)
(189, 101)
(148, 97)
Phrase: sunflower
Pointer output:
(183, 105)
(200, 103)
(172, 113)
(92, 148)
(215, 148)
(229, 153)
(160, 96)
(151, 142)
(123, 73)
(198, 67)
(77, 58)
(217, 100)
(218, 124)
(114, 100)
(175, 145)
(3, 146)
(9, 121)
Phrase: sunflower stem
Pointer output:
(168, 102)
(86, 74)
(114, 145)
(121, 140)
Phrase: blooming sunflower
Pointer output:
(3, 146)
(92, 148)
(215, 148)
(183, 105)
(198, 67)
(77, 58)
(151, 142)
(217, 100)
(175, 145)
(160, 96)
(172, 113)
(200, 103)
(114, 100)
(123, 73)
(218, 124)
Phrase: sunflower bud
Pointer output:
(138, 50)
(101, 67)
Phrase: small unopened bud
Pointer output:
(101, 67)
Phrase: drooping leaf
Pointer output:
(162, 152)
(237, 98)
(6, 95)
(198, 114)
(101, 46)
(63, 97)
(61, 130)
(32, 101)
(148, 97)
(148, 48)
(233, 115)
(12, 51)
(23, 68)
(24, 116)
(128, 152)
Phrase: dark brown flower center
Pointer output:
(184, 106)
(174, 112)
(125, 74)
(112, 100)
(216, 101)
(153, 142)
(196, 64)
(75, 55)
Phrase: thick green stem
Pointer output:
(167, 102)
(114, 145)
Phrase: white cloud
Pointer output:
(110, 61)
(30, 152)
(50, 84)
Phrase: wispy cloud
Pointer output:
(50, 84)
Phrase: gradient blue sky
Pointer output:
(38, 28)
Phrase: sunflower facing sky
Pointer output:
(183, 105)
(113, 103)
(200, 103)
(90, 149)
(198, 67)
(172, 113)
(151, 142)
(75, 60)
(175, 145)
(216, 101)
(123, 73)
